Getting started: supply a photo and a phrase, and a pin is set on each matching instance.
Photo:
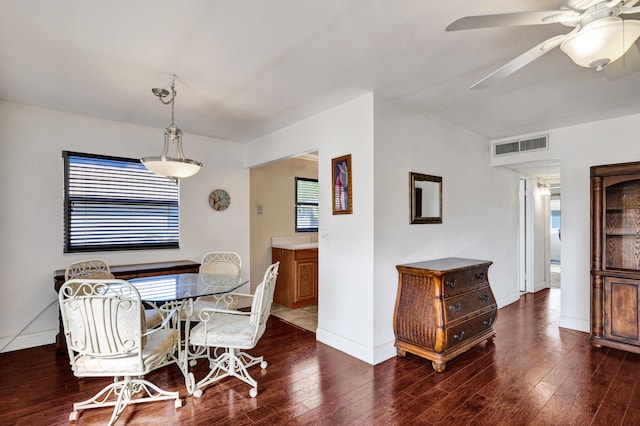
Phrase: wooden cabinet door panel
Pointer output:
(621, 320)
(306, 285)
(297, 282)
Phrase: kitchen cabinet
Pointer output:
(297, 282)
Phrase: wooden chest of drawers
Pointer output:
(444, 307)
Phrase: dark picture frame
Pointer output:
(342, 199)
(425, 194)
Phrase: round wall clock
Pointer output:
(219, 199)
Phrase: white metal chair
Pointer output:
(106, 335)
(217, 262)
(220, 262)
(233, 331)
(97, 269)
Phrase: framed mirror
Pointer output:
(426, 198)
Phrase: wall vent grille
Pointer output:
(521, 145)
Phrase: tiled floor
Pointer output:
(306, 318)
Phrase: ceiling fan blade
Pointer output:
(628, 64)
(628, 9)
(580, 5)
(511, 19)
(520, 61)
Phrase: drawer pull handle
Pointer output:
(456, 308)
(451, 283)
(484, 297)
(480, 275)
(458, 337)
(488, 322)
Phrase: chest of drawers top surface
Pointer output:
(442, 266)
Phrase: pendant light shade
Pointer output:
(177, 166)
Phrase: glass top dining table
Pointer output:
(177, 287)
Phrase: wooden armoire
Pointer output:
(615, 261)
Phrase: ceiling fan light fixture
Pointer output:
(600, 42)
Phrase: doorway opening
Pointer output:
(273, 199)
(555, 236)
(539, 254)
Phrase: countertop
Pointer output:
(295, 246)
(299, 242)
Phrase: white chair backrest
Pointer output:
(102, 318)
(263, 296)
(218, 262)
(89, 269)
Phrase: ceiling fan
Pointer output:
(601, 39)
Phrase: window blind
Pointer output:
(306, 205)
(114, 203)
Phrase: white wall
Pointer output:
(357, 275)
(31, 215)
(480, 207)
(345, 257)
(578, 148)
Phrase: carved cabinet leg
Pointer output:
(438, 366)
(401, 352)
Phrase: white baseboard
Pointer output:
(385, 352)
(347, 346)
(508, 299)
(575, 324)
(25, 341)
(540, 285)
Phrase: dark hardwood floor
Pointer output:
(534, 374)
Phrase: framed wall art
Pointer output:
(341, 183)
(425, 193)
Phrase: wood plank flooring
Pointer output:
(535, 374)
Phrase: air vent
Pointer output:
(522, 145)
(507, 148)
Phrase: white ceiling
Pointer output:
(248, 67)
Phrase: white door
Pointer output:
(525, 244)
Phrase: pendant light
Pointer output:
(178, 166)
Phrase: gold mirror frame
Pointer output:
(426, 198)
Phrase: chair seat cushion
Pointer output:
(158, 345)
(208, 302)
(226, 330)
(153, 317)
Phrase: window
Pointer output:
(306, 205)
(113, 203)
